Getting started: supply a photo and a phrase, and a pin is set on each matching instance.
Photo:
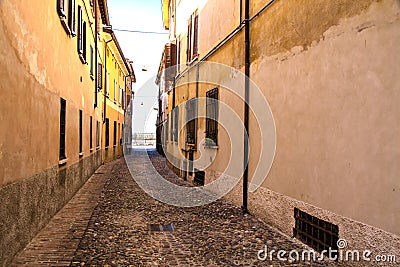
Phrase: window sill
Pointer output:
(211, 147)
(106, 148)
(82, 58)
(91, 150)
(62, 162)
(192, 60)
(98, 148)
(92, 77)
(81, 154)
(64, 23)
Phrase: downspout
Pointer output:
(246, 105)
(105, 79)
(96, 51)
(197, 104)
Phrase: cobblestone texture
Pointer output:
(117, 233)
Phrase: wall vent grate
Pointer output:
(318, 234)
(199, 177)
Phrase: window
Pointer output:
(115, 91)
(61, 8)
(80, 30)
(84, 40)
(115, 134)
(72, 17)
(91, 132)
(189, 41)
(176, 119)
(119, 133)
(171, 135)
(107, 141)
(195, 35)
(212, 117)
(67, 15)
(91, 61)
(106, 79)
(192, 37)
(191, 110)
(99, 76)
(97, 134)
(63, 104)
(119, 96)
(178, 54)
(80, 132)
(166, 128)
(81, 36)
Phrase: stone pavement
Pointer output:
(107, 224)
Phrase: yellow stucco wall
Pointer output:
(40, 64)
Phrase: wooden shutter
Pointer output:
(84, 39)
(100, 76)
(72, 17)
(61, 8)
(80, 30)
(195, 35)
(188, 41)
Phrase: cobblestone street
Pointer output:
(115, 232)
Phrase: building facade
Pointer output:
(53, 114)
(329, 72)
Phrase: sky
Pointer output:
(145, 50)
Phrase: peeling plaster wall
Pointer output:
(40, 64)
(336, 110)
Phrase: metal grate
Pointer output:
(318, 234)
(199, 177)
(161, 228)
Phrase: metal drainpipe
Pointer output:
(105, 80)
(95, 49)
(246, 105)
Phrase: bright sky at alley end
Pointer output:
(144, 49)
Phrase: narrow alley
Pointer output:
(199, 133)
(107, 224)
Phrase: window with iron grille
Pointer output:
(91, 132)
(115, 134)
(107, 141)
(212, 117)
(318, 234)
(63, 104)
(80, 131)
(191, 110)
(99, 76)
